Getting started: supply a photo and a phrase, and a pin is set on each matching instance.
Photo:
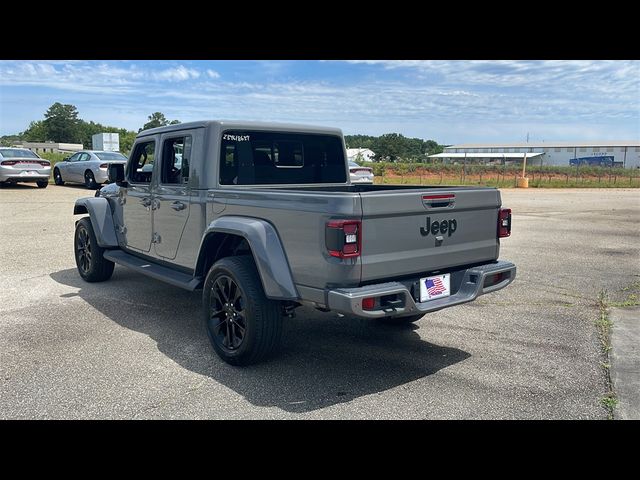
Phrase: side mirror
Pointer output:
(65, 159)
(116, 174)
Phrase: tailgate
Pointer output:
(397, 242)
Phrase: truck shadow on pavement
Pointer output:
(324, 360)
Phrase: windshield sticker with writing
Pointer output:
(237, 138)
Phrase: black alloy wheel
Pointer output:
(57, 178)
(243, 325)
(89, 180)
(227, 322)
(92, 266)
(83, 250)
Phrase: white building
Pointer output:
(366, 154)
(625, 153)
(109, 142)
(41, 147)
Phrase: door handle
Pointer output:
(177, 206)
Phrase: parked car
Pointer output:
(86, 166)
(360, 174)
(22, 165)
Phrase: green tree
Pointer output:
(36, 132)
(157, 119)
(126, 140)
(389, 147)
(61, 123)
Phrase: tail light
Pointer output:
(504, 222)
(43, 163)
(368, 303)
(104, 165)
(343, 238)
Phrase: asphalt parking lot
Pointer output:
(133, 347)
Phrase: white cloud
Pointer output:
(177, 74)
(450, 101)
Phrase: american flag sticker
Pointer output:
(434, 287)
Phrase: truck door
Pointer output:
(172, 195)
(138, 201)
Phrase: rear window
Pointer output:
(249, 158)
(110, 156)
(17, 153)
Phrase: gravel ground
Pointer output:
(134, 347)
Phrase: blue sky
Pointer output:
(448, 101)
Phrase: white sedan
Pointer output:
(360, 174)
(86, 166)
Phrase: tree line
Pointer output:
(61, 124)
(394, 147)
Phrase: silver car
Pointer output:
(86, 166)
(360, 174)
(22, 165)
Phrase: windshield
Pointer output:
(275, 158)
(17, 153)
(353, 164)
(110, 156)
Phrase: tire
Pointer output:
(253, 334)
(43, 184)
(90, 180)
(57, 178)
(401, 320)
(92, 267)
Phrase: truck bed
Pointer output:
(393, 217)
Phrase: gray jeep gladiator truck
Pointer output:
(263, 218)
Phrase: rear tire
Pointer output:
(401, 320)
(92, 266)
(57, 178)
(43, 184)
(90, 180)
(243, 325)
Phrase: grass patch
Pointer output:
(503, 176)
(632, 296)
(609, 401)
(625, 297)
(604, 324)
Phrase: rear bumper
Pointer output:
(349, 300)
(101, 176)
(7, 176)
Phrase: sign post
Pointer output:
(523, 181)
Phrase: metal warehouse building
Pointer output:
(625, 154)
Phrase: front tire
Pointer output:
(243, 325)
(43, 184)
(90, 180)
(92, 266)
(57, 178)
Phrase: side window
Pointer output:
(74, 158)
(83, 157)
(175, 160)
(140, 166)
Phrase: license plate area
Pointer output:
(437, 286)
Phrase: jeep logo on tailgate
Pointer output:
(445, 226)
